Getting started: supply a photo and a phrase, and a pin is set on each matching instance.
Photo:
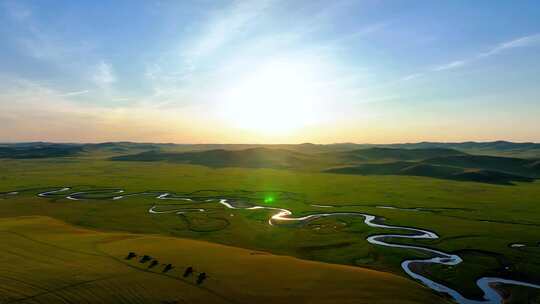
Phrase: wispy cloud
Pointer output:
(450, 65)
(103, 74)
(246, 27)
(35, 40)
(525, 41)
(364, 31)
(69, 62)
(26, 106)
(226, 24)
(411, 76)
(516, 43)
(74, 93)
(170, 73)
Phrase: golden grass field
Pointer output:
(48, 261)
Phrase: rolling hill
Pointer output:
(435, 160)
(434, 171)
(283, 158)
(47, 261)
(347, 150)
(503, 164)
(495, 148)
(430, 162)
(380, 153)
(39, 150)
(248, 158)
(487, 169)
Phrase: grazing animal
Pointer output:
(131, 255)
(153, 264)
(145, 259)
(188, 271)
(168, 267)
(201, 278)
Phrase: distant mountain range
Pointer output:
(497, 162)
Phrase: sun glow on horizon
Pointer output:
(276, 99)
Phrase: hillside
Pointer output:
(436, 162)
(495, 148)
(47, 261)
(282, 158)
(379, 153)
(249, 158)
(426, 170)
(487, 169)
(344, 151)
(503, 164)
(431, 162)
(39, 150)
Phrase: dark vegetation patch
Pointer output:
(39, 150)
(250, 158)
(504, 164)
(476, 168)
(377, 153)
(497, 148)
(326, 246)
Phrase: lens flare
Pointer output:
(269, 199)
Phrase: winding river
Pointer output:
(280, 215)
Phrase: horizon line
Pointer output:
(269, 144)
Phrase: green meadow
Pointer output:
(478, 221)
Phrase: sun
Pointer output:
(276, 99)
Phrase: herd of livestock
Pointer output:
(189, 271)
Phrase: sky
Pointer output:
(269, 71)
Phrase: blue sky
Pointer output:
(270, 71)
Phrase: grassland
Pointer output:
(433, 162)
(48, 261)
(477, 220)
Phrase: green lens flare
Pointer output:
(269, 199)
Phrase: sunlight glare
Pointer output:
(276, 99)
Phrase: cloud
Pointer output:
(207, 66)
(525, 41)
(103, 74)
(226, 25)
(364, 31)
(172, 73)
(42, 41)
(411, 76)
(75, 93)
(516, 43)
(26, 106)
(450, 65)
(33, 40)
